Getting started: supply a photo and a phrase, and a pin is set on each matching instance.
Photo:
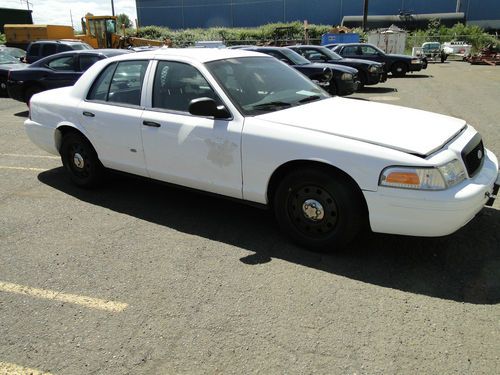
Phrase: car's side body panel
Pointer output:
(237, 156)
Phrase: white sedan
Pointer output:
(247, 126)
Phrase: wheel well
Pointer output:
(294, 165)
(64, 130)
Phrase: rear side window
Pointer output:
(100, 88)
(64, 47)
(34, 50)
(49, 49)
(86, 61)
(120, 83)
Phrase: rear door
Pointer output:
(61, 72)
(111, 115)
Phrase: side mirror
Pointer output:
(208, 108)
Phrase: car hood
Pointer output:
(409, 130)
(400, 56)
(342, 68)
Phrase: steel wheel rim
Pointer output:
(314, 222)
(79, 160)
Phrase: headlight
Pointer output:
(373, 69)
(327, 74)
(416, 61)
(439, 178)
(346, 77)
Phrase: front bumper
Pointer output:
(416, 67)
(433, 213)
(346, 87)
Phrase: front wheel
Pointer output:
(399, 70)
(81, 161)
(321, 210)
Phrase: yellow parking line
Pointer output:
(13, 369)
(93, 303)
(31, 156)
(23, 168)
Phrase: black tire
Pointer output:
(340, 216)
(363, 79)
(30, 91)
(80, 161)
(3, 88)
(399, 69)
(332, 89)
(424, 64)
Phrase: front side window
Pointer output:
(120, 83)
(258, 85)
(65, 64)
(176, 84)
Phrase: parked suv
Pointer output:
(42, 48)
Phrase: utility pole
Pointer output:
(459, 3)
(71, 16)
(112, 8)
(28, 3)
(365, 15)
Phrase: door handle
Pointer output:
(151, 123)
(88, 114)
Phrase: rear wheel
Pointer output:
(81, 161)
(399, 69)
(321, 210)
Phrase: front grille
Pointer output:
(473, 155)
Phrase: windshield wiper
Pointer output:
(311, 98)
(271, 105)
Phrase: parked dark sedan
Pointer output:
(336, 79)
(369, 72)
(7, 62)
(59, 70)
(398, 65)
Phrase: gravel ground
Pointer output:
(139, 278)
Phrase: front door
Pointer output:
(180, 148)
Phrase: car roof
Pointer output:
(105, 52)
(197, 54)
(62, 41)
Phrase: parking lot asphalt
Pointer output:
(139, 278)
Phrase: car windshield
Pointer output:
(7, 59)
(258, 85)
(378, 49)
(328, 52)
(295, 57)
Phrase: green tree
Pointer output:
(123, 19)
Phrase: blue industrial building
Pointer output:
(178, 14)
